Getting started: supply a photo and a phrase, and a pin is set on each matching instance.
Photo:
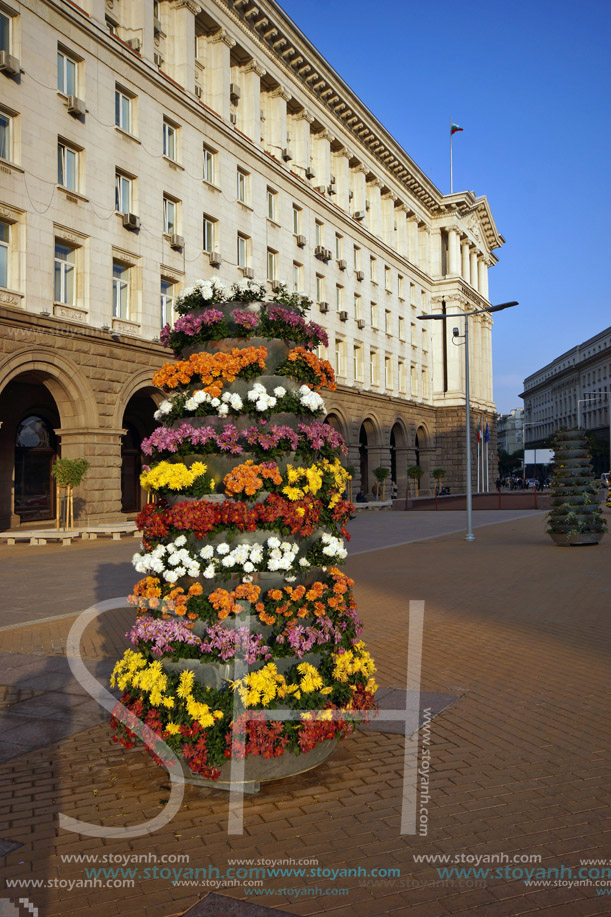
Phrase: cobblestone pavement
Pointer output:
(514, 627)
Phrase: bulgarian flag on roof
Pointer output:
(454, 128)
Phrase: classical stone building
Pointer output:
(144, 145)
(574, 390)
(509, 430)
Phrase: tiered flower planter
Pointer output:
(243, 608)
(575, 517)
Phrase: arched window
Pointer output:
(35, 449)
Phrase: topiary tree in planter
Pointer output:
(241, 555)
(350, 472)
(575, 517)
(415, 472)
(381, 475)
(68, 473)
(439, 474)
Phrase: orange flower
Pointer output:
(322, 369)
(214, 369)
(248, 478)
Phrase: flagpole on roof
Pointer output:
(451, 169)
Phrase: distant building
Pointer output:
(146, 144)
(509, 430)
(572, 391)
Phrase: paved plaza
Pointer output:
(515, 667)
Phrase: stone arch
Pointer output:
(139, 384)
(398, 445)
(70, 389)
(423, 448)
(370, 448)
(337, 419)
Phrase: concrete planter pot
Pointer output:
(277, 351)
(566, 540)
(257, 770)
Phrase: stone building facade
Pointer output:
(145, 145)
(574, 390)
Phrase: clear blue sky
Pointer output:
(530, 84)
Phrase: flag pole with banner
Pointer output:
(479, 447)
(486, 441)
(454, 128)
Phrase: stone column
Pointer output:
(482, 278)
(322, 158)
(431, 262)
(249, 106)
(413, 246)
(341, 170)
(358, 183)
(217, 76)
(276, 129)
(452, 251)
(456, 355)
(374, 197)
(465, 269)
(301, 142)
(388, 218)
(98, 499)
(473, 268)
(401, 235)
(180, 64)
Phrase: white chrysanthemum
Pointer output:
(191, 404)
(273, 542)
(170, 576)
(304, 562)
(215, 402)
(222, 548)
(223, 410)
(248, 567)
(236, 402)
(210, 571)
(279, 391)
(180, 541)
(207, 552)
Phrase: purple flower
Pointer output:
(239, 640)
(247, 320)
(164, 335)
(162, 634)
(320, 435)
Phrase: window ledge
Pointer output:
(274, 223)
(65, 310)
(7, 165)
(11, 297)
(126, 326)
(246, 206)
(75, 194)
(173, 163)
(210, 185)
(126, 134)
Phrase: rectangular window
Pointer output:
(339, 246)
(67, 71)
(387, 280)
(414, 381)
(242, 186)
(320, 288)
(272, 264)
(297, 212)
(357, 258)
(401, 328)
(340, 357)
(388, 321)
(5, 241)
(402, 377)
(388, 372)
(167, 301)
(170, 140)
(5, 32)
(67, 166)
(357, 363)
(401, 286)
(320, 233)
(339, 298)
(243, 250)
(373, 314)
(271, 204)
(5, 136)
(123, 110)
(358, 309)
(373, 269)
(374, 368)
(170, 215)
(120, 290)
(65, 273)
(297, 277)
(123, 193)
(209, 233)
(209, 173)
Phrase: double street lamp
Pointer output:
(441, 316)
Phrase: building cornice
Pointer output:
(269, 28)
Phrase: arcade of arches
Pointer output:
(72, 392)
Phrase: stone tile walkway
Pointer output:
(515, 627)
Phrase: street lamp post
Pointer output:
(467, 315)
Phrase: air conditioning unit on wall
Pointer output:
(323, 306)
(215, 259)
(76, 106)
(131, 221)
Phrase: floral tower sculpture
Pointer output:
(242, 548)
(575, 517)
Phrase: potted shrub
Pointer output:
(242, 606)
(68, 473)
(439, 474)
(381, 475)
(575, 517)
(415, 472)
